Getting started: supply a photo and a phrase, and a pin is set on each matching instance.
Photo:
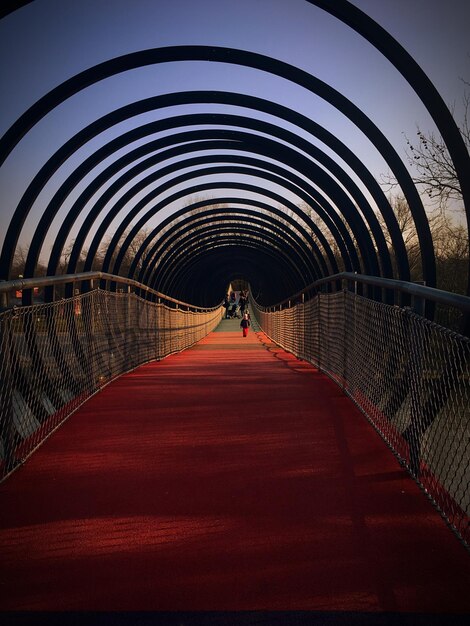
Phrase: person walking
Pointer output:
(242, 302)
(227, 306)
(245, 324)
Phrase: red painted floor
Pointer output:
(228, 477)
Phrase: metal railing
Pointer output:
(55, 355)
(410, 377)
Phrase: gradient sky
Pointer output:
(47, 41)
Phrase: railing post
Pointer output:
(130, 345)
(3, 299)
(319, 345)
(7, 426)
(345, 340)
(412, 434)
(418, 303)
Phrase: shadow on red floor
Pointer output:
(228, 478)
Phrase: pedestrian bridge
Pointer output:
(197, 470)
(156, 465)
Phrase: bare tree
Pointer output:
(450, 241)
(451, 248)
(434, 169)
(130, 252)
(410, 236)
(19, 262)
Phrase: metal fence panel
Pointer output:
(408, 375)
(57, 355)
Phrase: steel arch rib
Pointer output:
(178, 240)
(277, 283)
(419, 81)
(199, 241)
(365, 243)
(90, 190)
(384, 253)
(326, 217)
(159, 242)
(282, 275)
(341, 236)
(194, 190)
(144, 273)
(218, 97)
(252, 264)
(255, 61)
(70, 218)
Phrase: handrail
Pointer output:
(53, 281)
(406, 373)
(420, 291)
(413, 289)
(57, 354)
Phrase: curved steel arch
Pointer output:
(170, 99)
(255, 61)
(177, 243)
(219, 264)
(335, 225)
(194, 190)
(327, 213)
(206, 237)
(361, 233)
(419, 81)
(53, 208)
(272, 178)
(270, 277)
(310, 126)
(11, 6)
(284, 279)
(144, 274)
(354, 217)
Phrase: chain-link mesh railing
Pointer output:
(55, 356)
(409, 376)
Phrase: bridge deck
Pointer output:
(228, 477)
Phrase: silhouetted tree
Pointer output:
(434, 170)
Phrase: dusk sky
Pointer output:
(48, 41)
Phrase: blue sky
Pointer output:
(46, 42)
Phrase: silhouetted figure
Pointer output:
(242, 302)
(227, 306)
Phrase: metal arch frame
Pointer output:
(212, 216)
(222, 258)
(223, 97)
(285, 284)
(176, 243)
(205, 239)
(354, 217)
(347, 251)
(358, 227)
(389, 219)
(361, 233)
(324, 211)
(295, 224)
(218, 265)
(181, 194)
(255, 61)
(145, 274)
(12, 5)
(73, 213)
(394, 52)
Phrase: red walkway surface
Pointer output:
(228, 477)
